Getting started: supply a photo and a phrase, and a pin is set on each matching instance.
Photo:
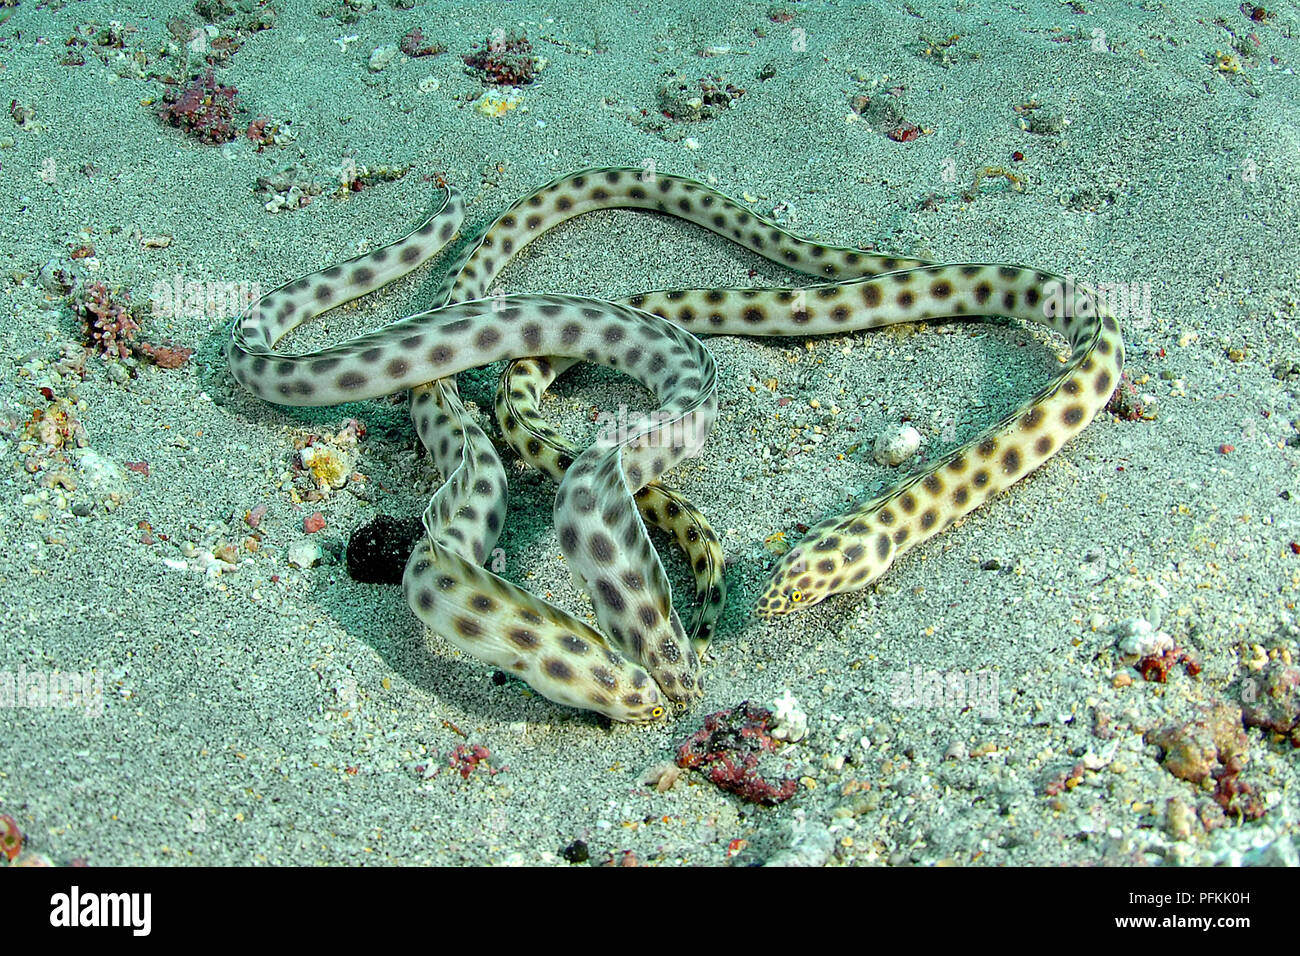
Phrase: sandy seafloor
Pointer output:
(257, 712)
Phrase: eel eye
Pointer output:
(795, 595)
(657, 713)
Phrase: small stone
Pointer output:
(576, 852)
(31, 858)
(1097, 761)
(382, 56)
(499, 102)
(789, 722)
(1179, 819)
(1281, 852)
(1272, 699)
(1138, 638)
(662, 776)
(811, 845)
(1193, 748)
(1287, 368)
(59, 275)
(329, 467)
(895, 447)
(305, 554)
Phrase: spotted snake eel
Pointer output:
(643, 658)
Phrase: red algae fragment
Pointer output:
(111, 328)
(414, 45)
(1156, 667)
(727, 750)
(205, 109)
(505, 61)
(166, 356)
(466, 758)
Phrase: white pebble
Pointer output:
(789, 722)
(1137, 637)
(305, 554)
(101, 477)
(896, 447)
(1099, 761)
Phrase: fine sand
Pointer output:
(238, 709)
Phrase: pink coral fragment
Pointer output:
(205, 109)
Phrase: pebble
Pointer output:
(59, 275)
(499, 102)
(576, 852)
(662, 776)
(101, 478)
(1180, 820)
(329, 467)
(382, 56)
(789, 722)
(1138, 637)
(896, 447)
(1272, 700)
(305, 554)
